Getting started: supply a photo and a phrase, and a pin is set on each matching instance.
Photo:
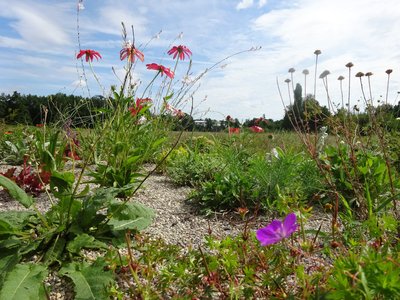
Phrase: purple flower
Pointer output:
(277, 230)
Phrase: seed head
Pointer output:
(349, 65)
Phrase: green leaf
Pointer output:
(54, 252)
(25, 281)
(16, 192)
(9, 258)
(130, 216)
(91, 281)
(84, 241)
(17, 218)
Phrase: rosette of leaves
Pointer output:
(32, 243)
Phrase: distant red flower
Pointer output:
(161, 69)
(233, 130)
(139, 105)
(256, 129)
(8, 132)
(180, 51)
(259, 120)
(89, 54)
(129, 51)
(39, 125)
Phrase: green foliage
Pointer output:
(128, 141)
(361, 176)
(16, 192)
(25, 281)
(91, 280)
(371, 274)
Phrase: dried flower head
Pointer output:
(360, 74)
(368, 74)
(291, 70)
(349, 65)
(306, 72)
(324, 74)
(317, 52)
(388, 71)
(340, 77)
(287, 80)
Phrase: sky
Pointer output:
(39, 41)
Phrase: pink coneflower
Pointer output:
(129, 51)
(161, 69)
(180, 51)
(89, 54)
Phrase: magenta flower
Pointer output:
(180, 51)
(129, 51)
(89, 54)
(277, 230)
(161, 69)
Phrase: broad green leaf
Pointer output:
(16, 192)
(84, 241)
(91, 281)
(25, 281)
(130, 216)
(6, 228)
(9, 258)
(17, 218)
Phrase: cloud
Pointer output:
(244, 4)
(262, 3)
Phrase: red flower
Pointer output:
(256, 129)
(8, 132)
(139, 105)
(89, 54)
(129, 51)
(161, 69)
(39, 125)
(233, 130)
(180, 51)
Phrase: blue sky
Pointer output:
(39, 42)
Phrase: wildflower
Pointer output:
(39, 125)
(256, 129)
(229, 118)
(317, 52)
(277, 230)
(89, 54)
(139, 105)
(129, 51)
(161, 69)
(349, 65)
(233, 130)
(8, 132)
(180, 51)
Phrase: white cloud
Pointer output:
(244, 4)
(262, 3)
